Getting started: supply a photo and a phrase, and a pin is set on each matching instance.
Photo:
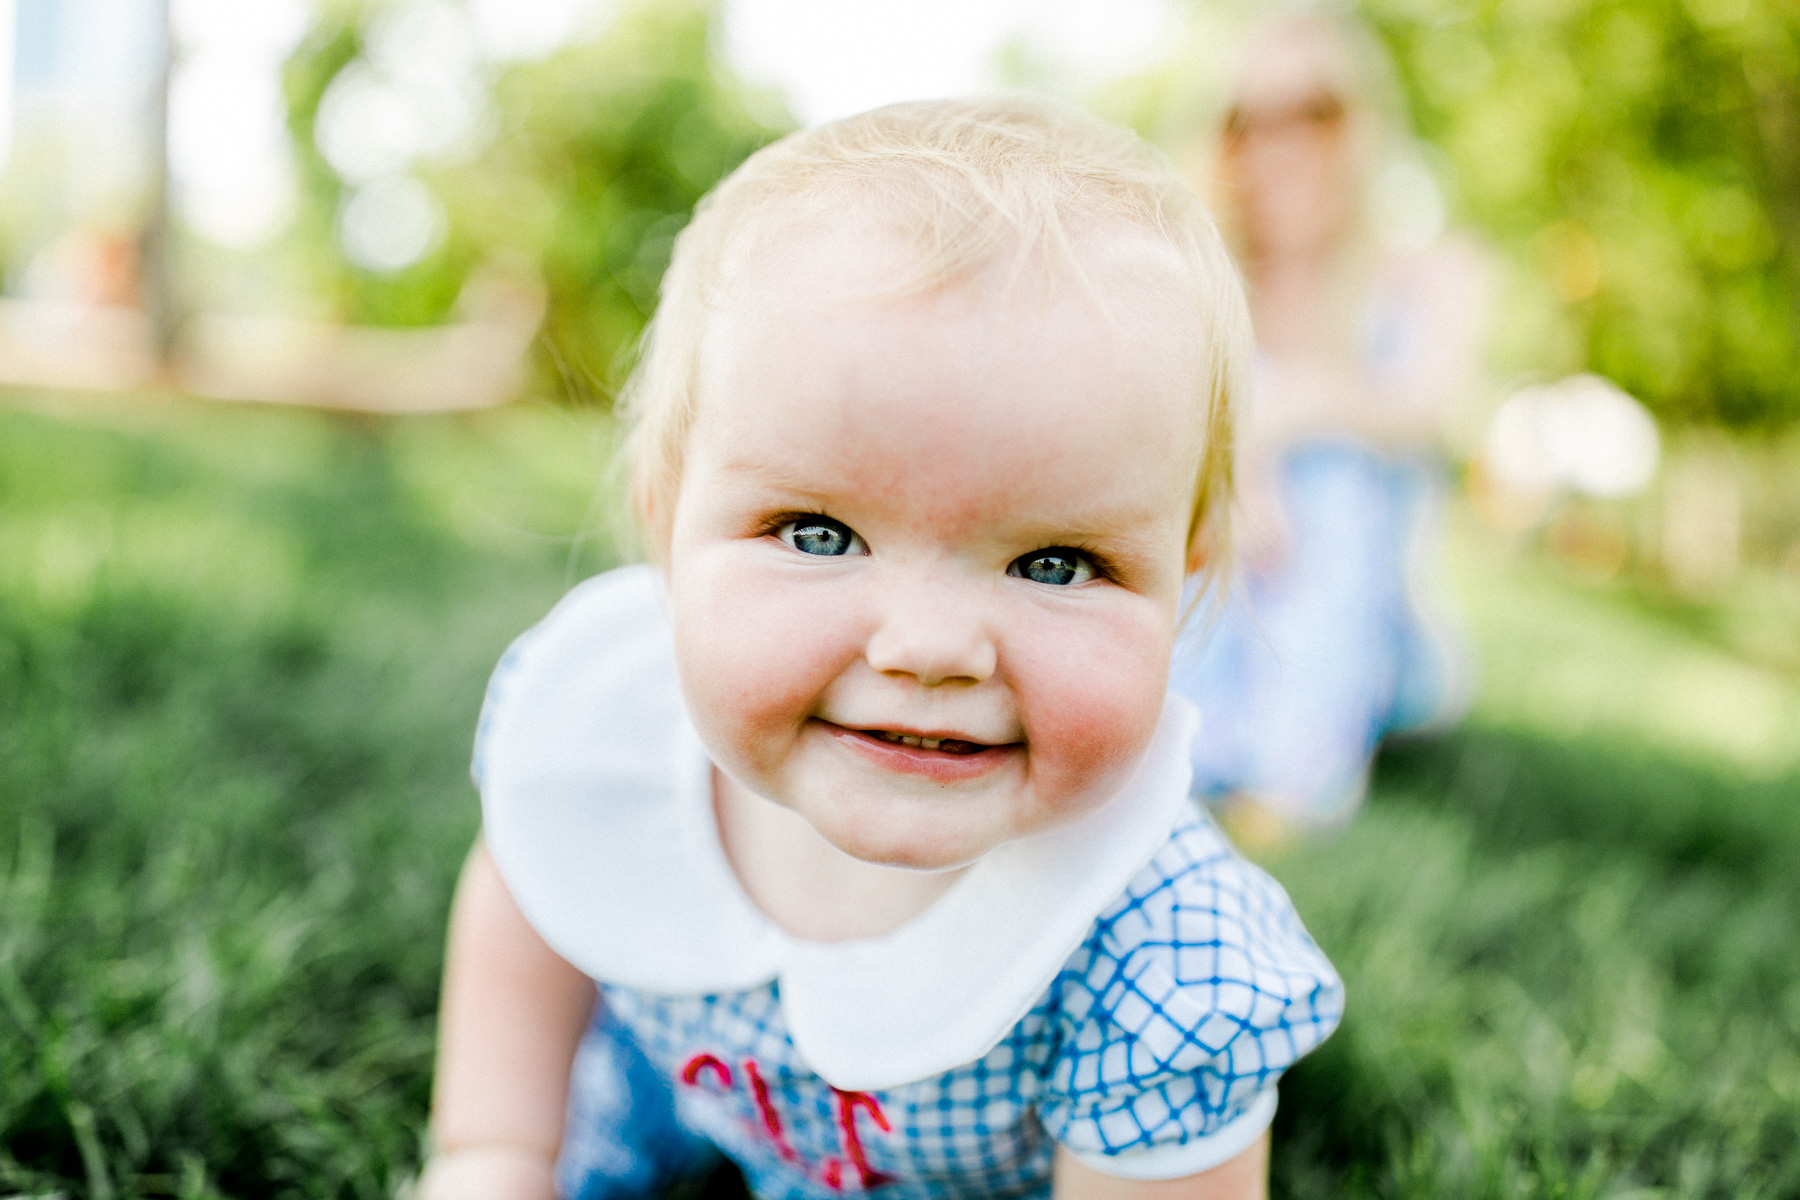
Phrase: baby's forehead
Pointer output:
(842, 312)
(1128, 278)
(833, 334)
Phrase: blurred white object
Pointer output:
(366, 127)
(230, 159)
(515, 29)
(389, 224)
(9, 55)
(78, 75)
(833, 58)
(1581, 433)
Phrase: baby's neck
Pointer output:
(806, 885)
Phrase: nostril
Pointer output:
(931, 664)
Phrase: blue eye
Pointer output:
(821, 535)
(1058, 566)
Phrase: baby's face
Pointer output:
(926, 556)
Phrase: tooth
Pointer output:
(930, 743)
(909, 739)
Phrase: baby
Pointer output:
(852, 838)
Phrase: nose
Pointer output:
(935, 632)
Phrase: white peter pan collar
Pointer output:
(597, 809)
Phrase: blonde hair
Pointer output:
(964, 181)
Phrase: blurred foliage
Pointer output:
(421, 294)
(599, 154)
(1640, 160)
(617, 141)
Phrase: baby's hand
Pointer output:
(493, 1172)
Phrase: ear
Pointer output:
(1205, 549)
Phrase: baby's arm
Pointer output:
(512, 1014)
(1245, 1177)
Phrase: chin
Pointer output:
(909, 849)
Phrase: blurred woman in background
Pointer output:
(1366, 344)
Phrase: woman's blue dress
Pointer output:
(1299, 671)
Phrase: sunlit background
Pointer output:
(313, 312)
(188, 185)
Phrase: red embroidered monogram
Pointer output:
(766, 1108)
(690, 1073)
(848, 1103)
(831, 1171)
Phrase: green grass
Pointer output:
(240, 657)
(1570, 931)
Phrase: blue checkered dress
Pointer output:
(1168, 1026)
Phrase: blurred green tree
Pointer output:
(1641, 160)
(1638, 160)
(595, 159)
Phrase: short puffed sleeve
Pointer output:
(1195, 990)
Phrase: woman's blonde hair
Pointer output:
(1351, 67)
(965, 182)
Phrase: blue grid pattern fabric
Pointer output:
(1194, 990)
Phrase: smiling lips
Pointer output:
(946, 745)
(939, 759)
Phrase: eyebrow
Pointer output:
(780, 484)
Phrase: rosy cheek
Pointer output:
(1091, 706)
(754, 654)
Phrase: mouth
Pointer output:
(936, 755)
(946, 745)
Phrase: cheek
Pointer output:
(1090, 694)
(754, 652)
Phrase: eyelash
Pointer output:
(770, 526)
(1103, 568)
